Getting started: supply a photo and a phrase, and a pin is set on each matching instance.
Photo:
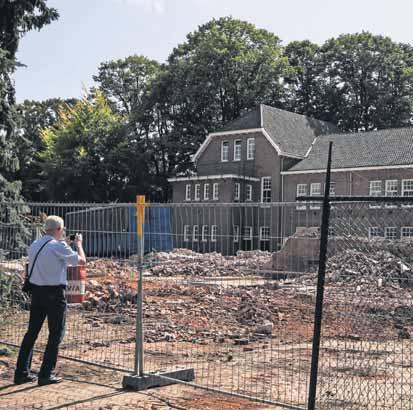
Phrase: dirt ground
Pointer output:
(90, 387)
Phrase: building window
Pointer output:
(391, 189)
(187, 229)
(195, 233)
(237, 150)
(375, 190)
(206, 192)
(250, 148)
(188, 192)
(214, 232)
(204, 233)
(215, 191)
(266, 189)
(247, 233)
(248, 192)
(407, 232)
(407, 189)
(301, 191)
(236, 233)
(237, 192)
(332, 188)
(315, 190)
(375, 232)
(224, 151)
(390, 232)
(197, 196)
(264, 233)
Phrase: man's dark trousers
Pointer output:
(47, 302)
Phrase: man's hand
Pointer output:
(78, 240)
(78, 243)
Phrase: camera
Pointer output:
(72, 237)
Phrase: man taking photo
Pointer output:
(48, 257)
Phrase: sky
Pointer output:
(62, 58)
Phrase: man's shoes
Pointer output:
(24, 378)
(52, 379)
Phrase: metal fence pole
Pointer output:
(140, 218)
(320, 287)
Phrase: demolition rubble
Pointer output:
(197, 297)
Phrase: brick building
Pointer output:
(271, 155)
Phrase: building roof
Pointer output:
(389, 147)
(289, 133)
(292, 133)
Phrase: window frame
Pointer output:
(402, 236)
(237, 191)
(235, 233)
(215, 191)
(301, 207)
(248, 192)
(315, 205)
(378, 193)
(197, 192)
(225, 143)
(250, 151)
(403, 190)
(380, 235)
(188, 191)
(205, 233)
(263, 179)
(214, 233)
(394, 192)
(195, 233)
(386, 229)
(236, 159)
(262, 238)
(187, 230)
(206, 192)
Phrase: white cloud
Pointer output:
(150, 6)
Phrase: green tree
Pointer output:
(128, 84)
(32, 118)
(125, 82)
(223, 68)
(87, 155)
(367, 82)
(304, 83)
(17, 17)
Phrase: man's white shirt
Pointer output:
(52, 262)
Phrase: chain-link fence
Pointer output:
(229, 291)
(231, 301)
(366, 350)
(224, 291)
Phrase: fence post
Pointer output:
(320, 286)
(140, 219)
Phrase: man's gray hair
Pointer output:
(53, 222)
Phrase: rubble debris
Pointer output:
(356, 266)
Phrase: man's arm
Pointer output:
(79, 247)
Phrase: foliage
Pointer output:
(87, 156)
(358, 81)
(32, 118)
(17, 17)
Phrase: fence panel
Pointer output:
(228, 291)
(231, 300)
(102, 329)
(366, 350)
